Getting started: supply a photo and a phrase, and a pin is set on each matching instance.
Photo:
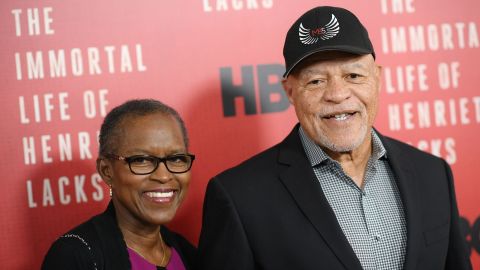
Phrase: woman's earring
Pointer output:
(111, 193)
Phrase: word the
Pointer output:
(397, 6)
(33, 21)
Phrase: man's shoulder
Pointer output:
(263, 161)
(266, 161)
(248, 183)
(255, 173)
(397, 147)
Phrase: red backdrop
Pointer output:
(65, 63)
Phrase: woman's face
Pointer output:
(151, 199)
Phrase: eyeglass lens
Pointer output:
(148, 164)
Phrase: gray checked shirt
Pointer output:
(372, 219)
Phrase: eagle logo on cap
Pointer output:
(311, 36)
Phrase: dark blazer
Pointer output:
(98, 244)
(270, 213)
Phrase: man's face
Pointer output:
(335, 96)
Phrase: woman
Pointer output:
(144, 159)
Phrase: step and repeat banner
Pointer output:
(65, 64)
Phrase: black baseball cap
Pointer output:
(325, 28)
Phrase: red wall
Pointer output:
(65, 63)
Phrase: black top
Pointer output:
(98, 244)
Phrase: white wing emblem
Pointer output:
(328, 31)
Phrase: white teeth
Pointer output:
(159, 194)
(340, 117)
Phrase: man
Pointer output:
(335, 194)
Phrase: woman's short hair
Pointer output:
(135, 107)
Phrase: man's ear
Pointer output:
(378, 75)
(378, 70)
(287, 87)
(104, 168)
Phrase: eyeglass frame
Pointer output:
(157, 159)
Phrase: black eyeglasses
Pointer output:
(146, 164)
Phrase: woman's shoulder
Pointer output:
(73, 250)
(94, 244)
(81, 247)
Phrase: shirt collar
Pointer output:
(316, 155)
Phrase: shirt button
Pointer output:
(377, 237)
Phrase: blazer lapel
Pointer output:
(403, 170)
(304, 187)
